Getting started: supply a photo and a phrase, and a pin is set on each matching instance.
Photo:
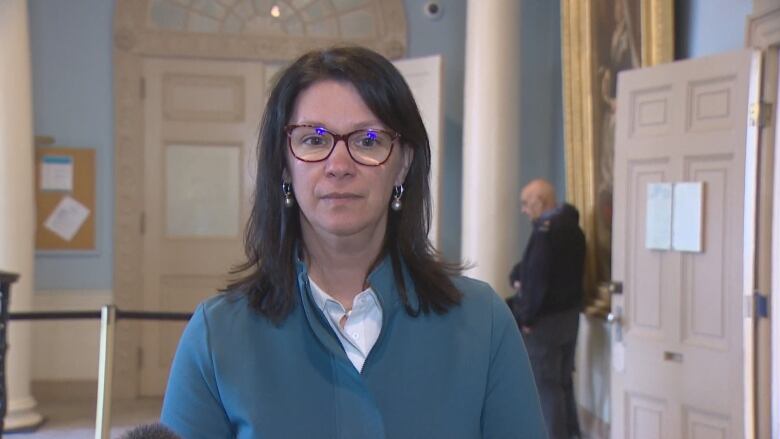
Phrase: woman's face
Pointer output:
(337, 196)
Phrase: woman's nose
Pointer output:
(340, 162)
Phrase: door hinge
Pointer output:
(760, 113)
(757, 305)
(142, 88)
(142, 224)
(760, 305)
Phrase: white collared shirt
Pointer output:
(363, 324)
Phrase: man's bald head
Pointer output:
(537, 197)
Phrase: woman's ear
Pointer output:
(406, 162)
(285, 175)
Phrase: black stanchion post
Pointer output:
(6, 279)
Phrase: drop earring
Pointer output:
(289, 199)
(398, 192)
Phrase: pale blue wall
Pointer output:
(707, 27)
(541, 130)
(445, 36)
(70, 43)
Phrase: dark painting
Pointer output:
(618, 47)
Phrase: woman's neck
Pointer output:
(339, 265)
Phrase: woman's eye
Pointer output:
(313, 141)
(367, 141)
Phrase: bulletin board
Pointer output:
(65, 199)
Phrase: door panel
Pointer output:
(681, 334)
(704, 275)
(645, 271)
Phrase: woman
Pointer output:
(346, 324)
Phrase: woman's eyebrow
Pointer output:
(372, 123)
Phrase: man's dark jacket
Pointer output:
(550, 273)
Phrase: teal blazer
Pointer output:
(463, 374)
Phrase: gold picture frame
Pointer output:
(599, 39)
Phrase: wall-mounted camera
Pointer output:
(433, 10)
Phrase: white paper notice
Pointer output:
(658, 217)
(57, 173)
(67, 218)
(687, 222)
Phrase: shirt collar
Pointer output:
(381, 280)
(322, 299)
(544, 219)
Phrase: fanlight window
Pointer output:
(343, 19)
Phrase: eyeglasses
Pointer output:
(311, 143)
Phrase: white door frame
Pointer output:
(763, 32)
(774, 330)
(775, 311)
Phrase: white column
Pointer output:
(491, 141)
(17, 209)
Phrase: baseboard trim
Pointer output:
(58, 390)
(592, 426)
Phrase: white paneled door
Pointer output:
(201, 122)
(679, 346)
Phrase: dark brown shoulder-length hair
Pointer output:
(268, 276)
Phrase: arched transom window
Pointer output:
(332, 19)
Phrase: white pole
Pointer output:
(105, 372)
(17, 208)
(491, 140)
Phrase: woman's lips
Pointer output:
(340, 196)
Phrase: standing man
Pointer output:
(547, 304)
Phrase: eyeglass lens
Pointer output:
(368, 147)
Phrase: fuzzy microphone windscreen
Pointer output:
(151, 431)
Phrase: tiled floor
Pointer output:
(76, 419)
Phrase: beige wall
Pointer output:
(67, 350)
